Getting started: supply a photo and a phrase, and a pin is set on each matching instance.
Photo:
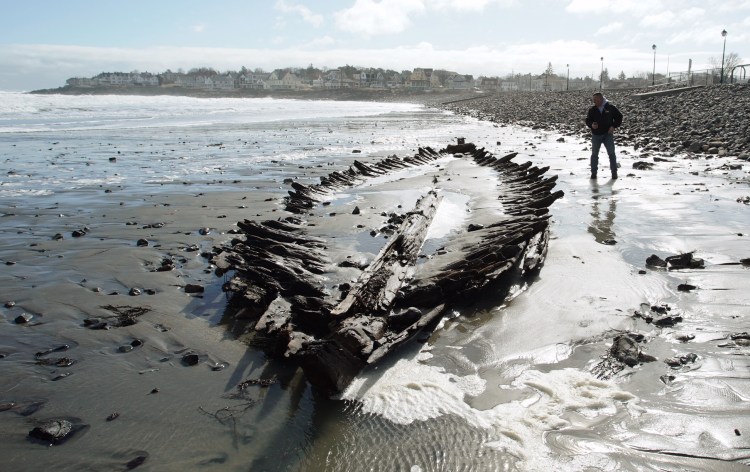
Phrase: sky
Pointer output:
(43, 43)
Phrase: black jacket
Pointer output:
(610, 117)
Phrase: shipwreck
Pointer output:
(283, 286)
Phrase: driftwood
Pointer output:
(277, 286)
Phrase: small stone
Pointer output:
(204, 231)
(138, 461)
(356, 211)
(655, 261)
(686, 287)
(141, 243)
(10, 304)
(667, 379)
(125, 348)
(23, 318)
(54, 431)
(155, 390)
(190, 359)
(134, 292)
(113, 416)
(193, 288)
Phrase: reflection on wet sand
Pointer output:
(601, 225)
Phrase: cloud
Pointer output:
(604, 7)
(372, 18)
(609, 28)
(468, 5)
(199, 28)
(307, 15)
(320, 42)
(660, 20)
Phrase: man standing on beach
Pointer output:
(602, 119)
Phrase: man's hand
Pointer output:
(611, 130)
(594, 125)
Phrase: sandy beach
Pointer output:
(513, 380)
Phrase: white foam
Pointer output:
(411, 391)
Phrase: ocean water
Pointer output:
(503, 387)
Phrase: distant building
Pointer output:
(489, 83)
(460, 82)
(419, 79)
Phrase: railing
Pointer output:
(737, 75)
(740, 71)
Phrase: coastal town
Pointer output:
(349, 77)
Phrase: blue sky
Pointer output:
(42, 43)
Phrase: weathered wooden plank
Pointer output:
(377, 286)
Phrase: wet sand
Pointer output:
(586, 292)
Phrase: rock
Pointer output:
(642, 165)
(655, 261)
(191, 359)
(667, 379)
(684, 261)
(683, 338)
(10, 304)
(626, 350)
(204, 231)
(475, 227)
(23, 318)
(138, 461)
(193, 288)
(356, 211)
(60, 348)
(667, 321)
(113, 416)
(141, 243)
(134, 292)
(54, 431)
(686, 287)
(679, 361)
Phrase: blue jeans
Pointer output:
(608, 140)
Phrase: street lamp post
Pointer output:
(567, 81)
(601, 74)
(653, 74)
(724, 35)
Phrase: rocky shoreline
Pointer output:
(713, 120)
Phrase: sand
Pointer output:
(586, 291)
